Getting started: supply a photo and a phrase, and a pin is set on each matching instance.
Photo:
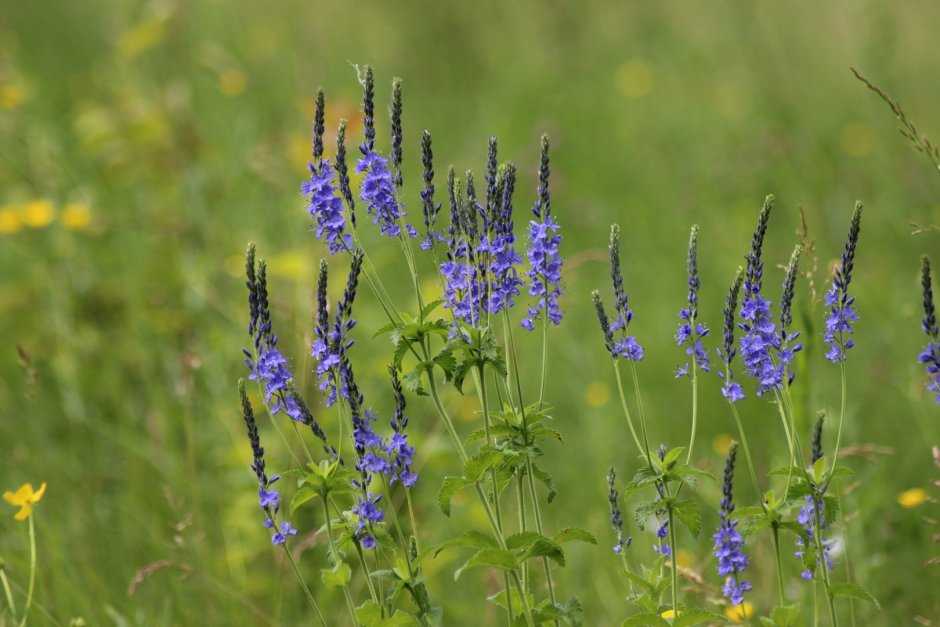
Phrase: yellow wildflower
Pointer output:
(912, 498)
(76, 216)
(37, 213)
(634, 79)
(232, 82)
(141, 38)
(740, 613)
(25, 499)
(9, 220)
(669, 614)
(721, 444)
(11, 96)
(597, 394)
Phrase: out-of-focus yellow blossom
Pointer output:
(857, 140)
(298, 151)
(634, 79)
(740, 613)
(76, 216)
(912, 498)
(232, 82)
(11, 96)
(669, 614)
(292, 264)
(25, 499)
(684, 558)
(721, 443)
(37, 214)
(9, 219)
(597, 394)
(141, 38)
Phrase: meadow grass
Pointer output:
(165, 136)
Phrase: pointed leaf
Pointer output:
(854, 591)
(645, 620)
(472, 539)
(449, 487)
(688, 513)
(336, 577)
(487, 457)
(491, 558)
(570, 534)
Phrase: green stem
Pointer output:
(639, 404)
(544, 355)
(520, 499)
(368, 574)
(688, 458)
(626, 411)
(821, 558)
(6, 589)
(300, 577)
(779, 561)
(32, 569)
(747, 455)
(675, 565)
(835, 456)
(329, 534)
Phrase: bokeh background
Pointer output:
(145, 143)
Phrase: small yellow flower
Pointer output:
(25, 499)
(669, 614)
(912, 498)
(11, 96)
(634, 79)
(597, 394)
(740, 613)
(9, 220)
(232, 82)
(141, 38)
(721, 443)
(37, 213)
(76, 216)
(684, 558)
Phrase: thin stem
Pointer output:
(368, 573)
(639, 403)
(32, 570)
(329, 534)
(821, 558)
(520, 499)
(525, 600)
(7, 591)
(414, 523)
(313, 602)
(747, 455)
(779, 561)
(688, 458)
(675, 567)
(835, 456)
(626, 410)
(544, 353)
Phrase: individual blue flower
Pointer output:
(369, 514)
(616, 517)
(545, 262)
(728, 541)
(930, 356)
(842, 313)
(280, 537)
(690, 331)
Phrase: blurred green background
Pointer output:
(144, 144)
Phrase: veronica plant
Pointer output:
(930, 356)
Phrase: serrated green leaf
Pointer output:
(672, 456)
(840, 471)
(543, 547)
(369, 614)
(429, 307)
(487, 457)
(545, 479)
(469, 539)
(500, 598)
(336, 577)
(854, 591)
(574, 534)
(819, 470)
(644, 511)
(449, 487)
(522, 540)
(785, 615)
(384, 329)
(304, 494)
(640, 581)
(688, 513)
(411, 380)
(490, 558)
